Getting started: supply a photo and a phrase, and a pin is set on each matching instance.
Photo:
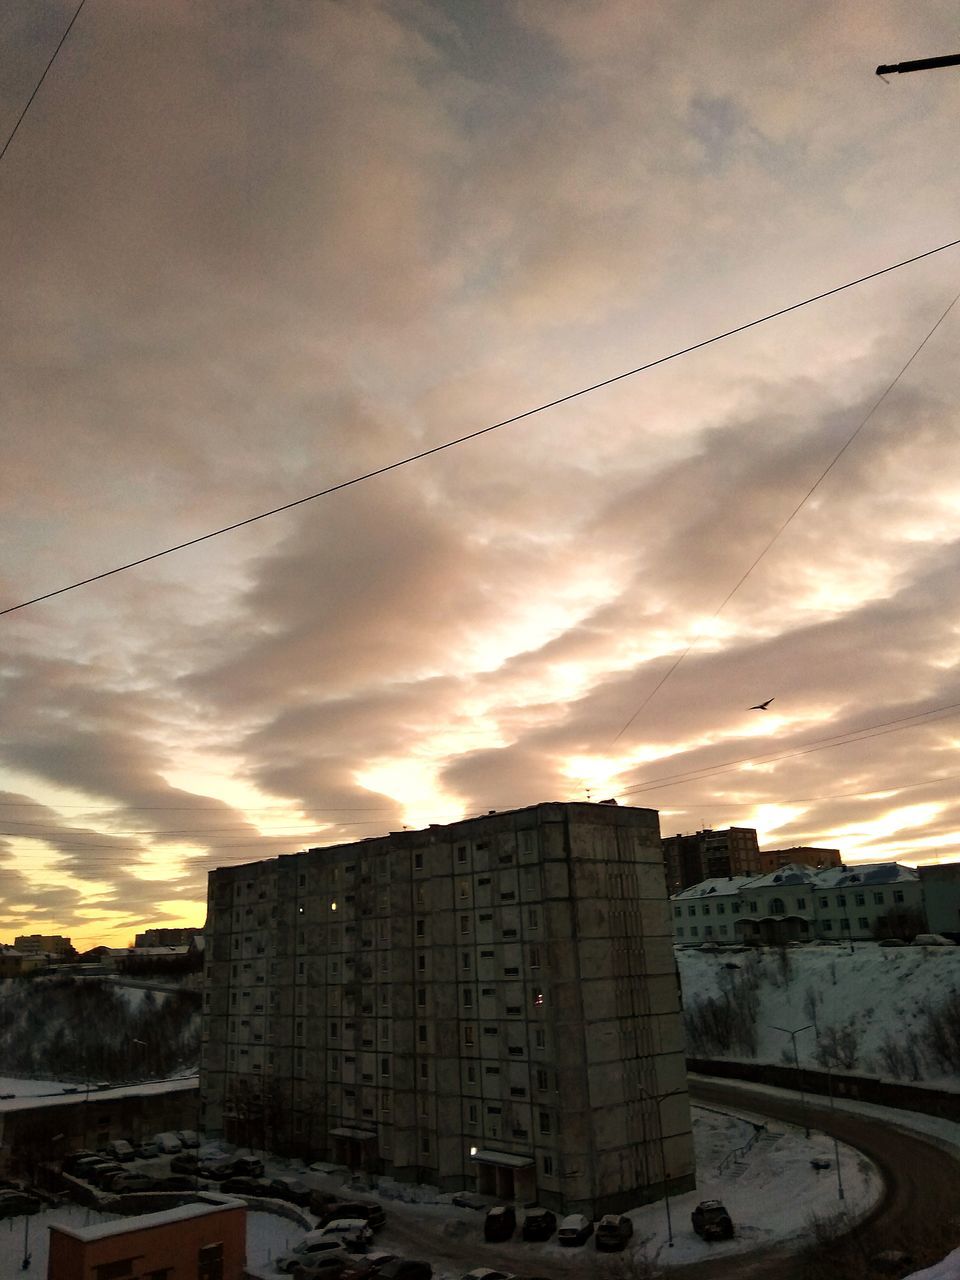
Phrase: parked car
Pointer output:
(75, 1159)
(176, 1182)
(538, 1224)
(123, 1183)
(120, 1150)
(406, 1269)
(291, 1190)
(321, 1268)
(314, 1244)
(247, 1187)
(235, 1167)
(186, 1162)
(188, 1138)
(500, 1222)
(468, 1200)
(486, 1273)
(14, 1203)
(98, 1173)
(147, 1150)
(711, 1221)
(168, 1143)
(371, 1212)
(575, 1230)
(354, 1232)
(613, 1232)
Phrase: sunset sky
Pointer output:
(252, 250)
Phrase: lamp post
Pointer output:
(796, 1062)
(657, 1099)
(836, 1145)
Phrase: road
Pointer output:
(918, 1212)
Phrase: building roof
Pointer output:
(144, 1221)
(722, 886)
(794, 873)
(868, 873)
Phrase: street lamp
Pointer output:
(657, 1099)
(796, 1062)
(836, 1145)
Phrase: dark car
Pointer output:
(538, 1224)
(613, 1232)
(575, 1229)
(185, 1163)
(176, 1182)
(236, 1167)
(13, 1203)
(371, 1212)
(406, 1269)
(98, 1173)
(122, 1183)
(293, 1192)
(321, 1269)
(500, 1222)
(247, 1187)
(72, 1161)
(711, 1221)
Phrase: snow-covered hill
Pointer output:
(887, 1012)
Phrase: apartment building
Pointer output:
(491, 1004)
(709, 854)
(797, 904)
(799, 855)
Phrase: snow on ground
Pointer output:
(947, 1268)
(28, 1094)
(878, 991)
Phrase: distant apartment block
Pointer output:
(492, 1004)
(801, 856)
(940, 883)
(708, 855)
(167, 937)
(797, 904)
(40, 944)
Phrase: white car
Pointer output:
(354, 1232)
(314, 1245)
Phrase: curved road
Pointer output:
(918, 1213)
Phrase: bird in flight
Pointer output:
(761, 706)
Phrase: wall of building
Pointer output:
(196, 1242)
(941, 897)
(400, 1002)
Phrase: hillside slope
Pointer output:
(893, 1013)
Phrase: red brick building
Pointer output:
(205, 1240)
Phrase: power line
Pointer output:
(796, 510)
(482, 431)
(36, 88)
(820, 744)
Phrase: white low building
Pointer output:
(796, 904)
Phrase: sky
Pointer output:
(253, 251)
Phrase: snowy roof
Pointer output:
(724, 886)
(870, 873)
(144, 1221)
(794, 873)
(78, 1093)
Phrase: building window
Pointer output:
(841, 900)
(680, 932)
(467, 994)
(418, 862)
(801, 904)
(706, 908)
(721, 909)
(753, 908)
(827, 926)
(860, 899)
(421, 962)
(878, 899)
(334, 1031)
(421, 896)
(422, 1033)
(898, 895)
(678, 912)
(534, 957)
(778, 907)
(824, 902)
(471, 1072)
(542, 1078)
(543, 1120)
(466, 960)
(863, 922)
(694, 931)
(461, 853)
(473, 1113)
(424, 1070)
(421, 997)
(548, 1166)
(465, 925)
(463, 889)
(384, 1066)
(540, 1038)
(691, 911)
(421, 928)
(489, 1031)
(425, 1145)
(468, 1037)
(735, 908)
(533, 918)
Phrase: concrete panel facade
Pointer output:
(492, 1003)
